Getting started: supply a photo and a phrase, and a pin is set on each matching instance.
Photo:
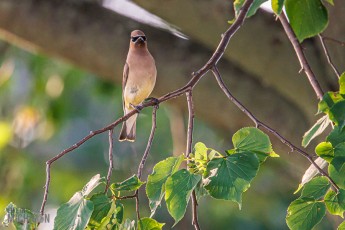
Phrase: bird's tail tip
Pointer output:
(125, 135)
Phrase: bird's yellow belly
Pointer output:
(137, 93)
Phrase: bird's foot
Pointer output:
(154, 100)
(138, 108)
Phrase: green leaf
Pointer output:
(102, 205)
(253, 140)
(149, 224)
(231, 176)
(305, 214)
(131, 184)
(316, 188)
(337, 136)
(179, 187)
(338, 114)
(307, 17)
(336, 170)
(277, 6)
(23, 219)
(155, 186)
(75, 214)
(330, 2)
(341, 226)
(201, 152)
(316, 130)
(325, 150)
(335, 203)
(252, 9)
(342, 83)
(328, 101)
(127, 225)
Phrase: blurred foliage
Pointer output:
(47, 105)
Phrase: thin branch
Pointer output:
(190, 128)
(334, 40)
(266, 127)
(145, 155)
(110, 155)
(125, 197)
(328, 56)
(194, 80)
(301, 57)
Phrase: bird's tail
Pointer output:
(128, 130)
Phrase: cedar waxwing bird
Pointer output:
(139, 78)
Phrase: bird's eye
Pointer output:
(134, 39)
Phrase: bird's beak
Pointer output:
(140, 39)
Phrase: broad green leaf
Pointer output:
(178, 189)
(155, 186)
(252, 9)
(316, 130)
(253, 140)
(307, 17)
(316, 188)
(305, 214)
(341, 226)
(338, 114)
(337, 136)
(311, 172)
(75, 214)
(231, 176)
(102, 205)
(336, 170)
(149, 224)
(325, 150)
(23, 219)
(339, 150)
(277, 6)
(131, 184)
(335, 203)
(330, 2)
(201, 152)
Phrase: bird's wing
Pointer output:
(124, 82)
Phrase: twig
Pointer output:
(144, 158)
(301, 57)
(328, 56)
(218, 53)
(259, 124)
(190, 128)
(110, 154)
(125, 197)
(334, 40)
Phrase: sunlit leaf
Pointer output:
(337, 136)
(131, 184)
(252, 9)
(316, 188)
(335, 202)
(325, 150)
(336, 170)
(231, 176)
(149, 224)
(307, 17)
(75, 214)
(316, 130)
(23, 219)
(178, 189)
(342, 83)
(341, 226)
(305, 214)
(155, 186)
(277, 6)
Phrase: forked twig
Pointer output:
(259, 124)
(324, 47)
